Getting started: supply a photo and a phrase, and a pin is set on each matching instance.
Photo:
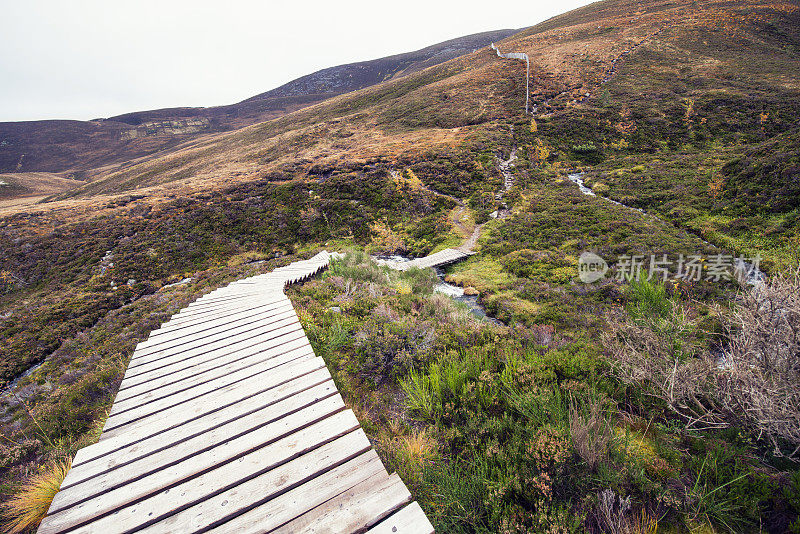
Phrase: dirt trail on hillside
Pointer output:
(472, 240)
(505, 166)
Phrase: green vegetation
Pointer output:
(519, 429)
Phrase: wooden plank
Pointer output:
(286, 507)
(115, 470)
(213, 401)
(137, 385)
(248, 342)
(189, 338)
(218, 298)
(197, 386)
(70, 509)
(251, 345)
(204, 304)
(176, 424)
(202, 332)
(261, 489)
(181, 336)
(228, 293)
(408, 520)
(232, 341)
(355, 510)
(258, 362)
(222, 423)
(187, 315)
(227, 312)
(183, 360)
(443, 257)
(210, 390)
(285, 315)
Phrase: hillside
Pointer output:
(32, 186)
(77, 147)
(641, 71)
(635, 403)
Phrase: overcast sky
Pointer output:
(83, 59)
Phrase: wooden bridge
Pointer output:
(226, 421)
(437, 259)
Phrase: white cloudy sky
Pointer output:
(82, 59)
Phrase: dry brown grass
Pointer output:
(26, 508)
(615, 517)
(760, 377)
(589, 430)
(417, 448)
(36, 183)
(664, 357)
(612, 510)
(644, 523)
(755, 385)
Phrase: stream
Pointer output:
(453, 291)
(10, 386)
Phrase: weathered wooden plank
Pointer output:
(115, 470)
(200, 306)
(443, 257)
(181, 340)
(408, 520)
(196, 356)
(204, 304)
(211, 402)
(355, 510)
(261, 489)
(365, 469)
(235, 340)
(140, 357)
(210, 390)
(68, 510)
(181, 422)
(229, 293)
(229, 312)
(137, 385)
(252, 345)
(202, 332)
(226, 420)
(254, 362)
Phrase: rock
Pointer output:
(335, 309)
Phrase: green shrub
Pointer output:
(647, 300)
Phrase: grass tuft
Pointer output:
(27, 507)
(418, 448)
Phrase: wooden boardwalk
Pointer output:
(226, 421)
(437, 259)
